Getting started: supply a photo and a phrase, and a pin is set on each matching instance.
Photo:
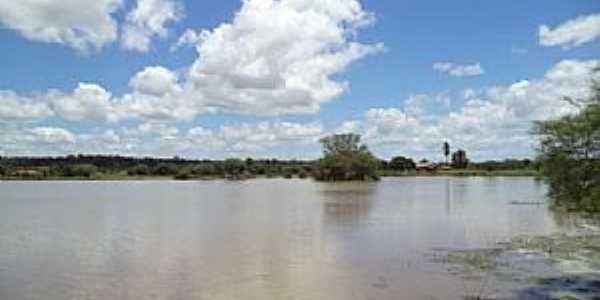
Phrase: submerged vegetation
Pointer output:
(557, 266)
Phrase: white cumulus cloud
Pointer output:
(17, 108)
(87, 102)
(149, 18)
(84, 25)
(493, 122)
(572, 33)
(457, 70)
(278, 57)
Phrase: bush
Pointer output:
(234, 166)
(140, 169)
(183, 175)
(164, 169)
(204, 169)
(81, 170)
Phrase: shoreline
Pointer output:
(450, 173)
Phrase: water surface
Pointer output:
(258, 239)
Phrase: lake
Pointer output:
(261, 239)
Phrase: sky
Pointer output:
(269, 78)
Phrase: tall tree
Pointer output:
(446, 150)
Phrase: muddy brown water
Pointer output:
(259, 239)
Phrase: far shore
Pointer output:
(386, 174)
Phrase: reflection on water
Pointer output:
(260, 239)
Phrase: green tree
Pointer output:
(570, 154)
(345, 158)
(460, 160)
(402, 163)
(234, 166)
(139, 169)
(446, 150)
(81, 170)
(165, 169)
(204, 169)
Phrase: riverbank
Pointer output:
(385, 173)
(463, 173)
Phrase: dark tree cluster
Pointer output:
(102, 166)
(508, 164)
(460, 160)
(345, 158)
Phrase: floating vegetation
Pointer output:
(559, 266)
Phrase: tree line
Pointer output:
(344, 158)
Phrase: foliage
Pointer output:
(345, 158)
(184, 174)
(460, 160)
(234, 166)
(401, 163)
(570, 155)
(508, 164)
(140, 169)
(165, 169)
(205, 169)
(81, 170)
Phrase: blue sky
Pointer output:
(107, 77)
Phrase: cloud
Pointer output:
(158, 95)
(259, 139)
(274, 58)
(278, 57)
(88, 25)
(155, 80)
(87, 102)
(17, 108)
(148, 19)
(189, 37)
(493, 122)
(255, 139)
(52, 135)
(158, 129)
(459, 70)
(85, 25)
(572, 33)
